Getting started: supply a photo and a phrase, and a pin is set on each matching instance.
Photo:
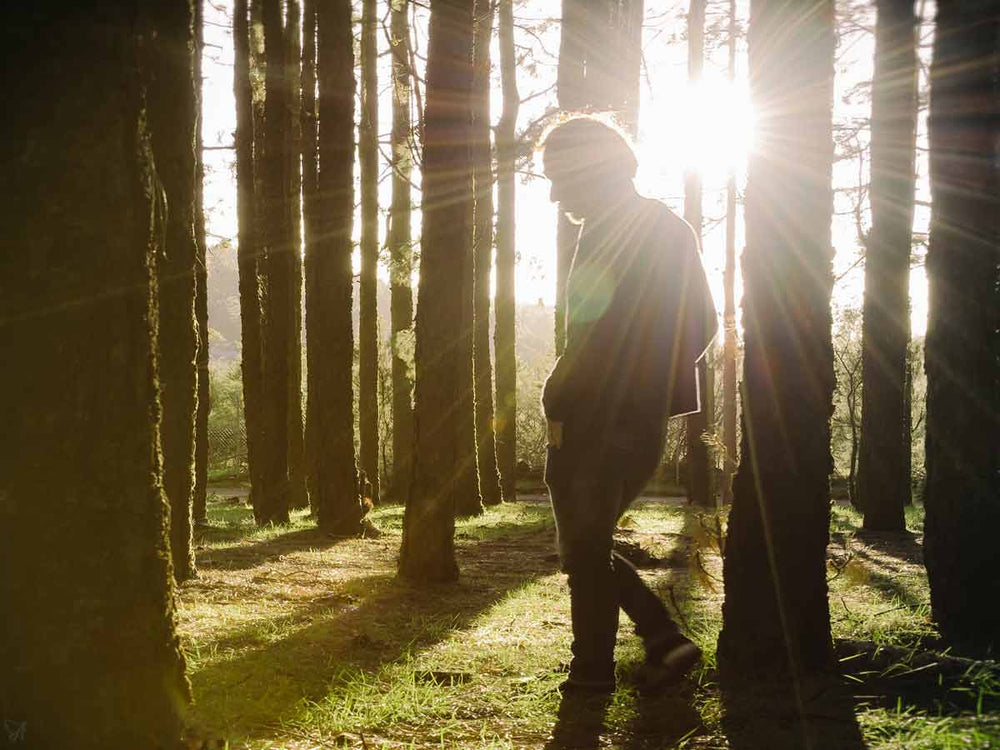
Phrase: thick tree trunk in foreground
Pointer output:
(883, 487)
(298, 497)
(775, 617)
(428, 552)
(504, 332)
(401, 258)
(271, 505)
(310, 226)
(248, 252)
(489, 478)
(91, 659)
(962, 498)
(198, 512)
(328, 310)
(172, 113)
(368, 324)
(701, 490)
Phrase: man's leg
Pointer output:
(585, 505)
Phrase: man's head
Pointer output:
(589, 164)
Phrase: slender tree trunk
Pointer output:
(729, 313)
(199, 513)
(700, 485)
(600, 53)
(272, 504)
(776, 617)
(173, 115)
(489, 478)
(962, 499)
(330, 335)
(310, 221)
(428, 552)
(90, 655)
(504, 332)
(882, 488)
(298, 497)
(368, 326)
(248, 254)
(401, 257)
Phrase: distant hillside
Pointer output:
(534, 321)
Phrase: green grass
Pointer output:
(296, 640)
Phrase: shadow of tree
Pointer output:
(245, 556)
(903, 545)
(334, 637)
(820, 715)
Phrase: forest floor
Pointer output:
(299, 641)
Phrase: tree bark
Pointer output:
(173, 115)
(401, 257)
(883, 489)
(428, 552)
(489, 478)
(199, 514)
(90, 653)
(504, 331)
(368, 325)
(962, 499)
(248, 253)
(729, 311)
(330, 336)
(272, 504)
(310, 225)
(776, 617)
(701, 491)
(600, 52)
(298, 497)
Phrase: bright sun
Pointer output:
(708, 127)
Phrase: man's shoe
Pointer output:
(667, 664)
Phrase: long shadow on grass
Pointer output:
(252, 555)
(902, 545)
(333, 640)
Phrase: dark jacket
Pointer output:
(639, 314)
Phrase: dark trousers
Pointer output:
(590, 487)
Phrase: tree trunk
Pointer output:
(199, 513)
(247, 249)
(729, 313)
(310, 227)
(600, 52)
(272, 504)
(173, 115)
(882, 487)
(428, 552)
(330, 336)
(962, 359)
(90, 654)
(776, 617)
(700, 485)
(489, 478)
(368, 327)
(504, 331)
(401, 258)
(298, 497)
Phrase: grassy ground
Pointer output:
(299, 641)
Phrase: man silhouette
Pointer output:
(639, 315)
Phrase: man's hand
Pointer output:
(553, 433)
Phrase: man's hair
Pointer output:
(585, 144)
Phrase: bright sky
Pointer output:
(709, 129)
